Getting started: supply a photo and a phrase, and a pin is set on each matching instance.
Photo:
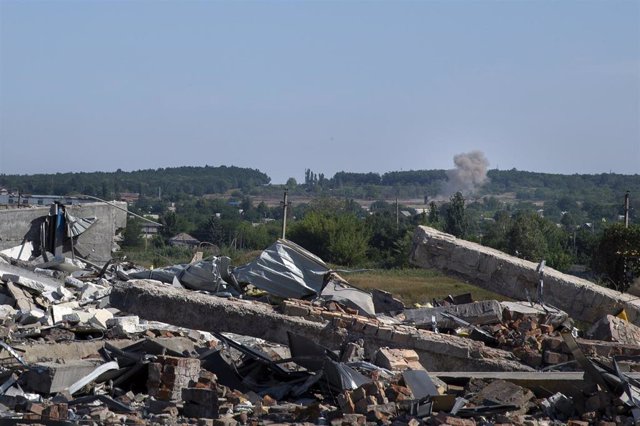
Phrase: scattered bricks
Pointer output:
(577, 423)
(352, 352)
(225, 421)
(168, 376)
(381, 412)
(35, 408)
(397, 393)
(444, 419)
(555, 344)
(532, 358)
(553, 358)
(358, 394)
(361, 405)
(398, 359)
(267, 401)
(294, 309)
(346, 403)
(58, 411)
(353, 419)
(546, 328)
(527, 325)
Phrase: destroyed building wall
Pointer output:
(94, 244)
(209, 313)
(517, 278)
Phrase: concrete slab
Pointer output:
(513, 277)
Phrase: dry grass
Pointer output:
(417, 285)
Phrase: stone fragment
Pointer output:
(384, 302)
(398, 359)
(125, 325)
(52, 377)
(614, 329)
(200, 403)
(100, 318)
(478, 313)
(503, 392)
(554, 358)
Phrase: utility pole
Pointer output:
(285, 204)
(397, 214)
(626, 210)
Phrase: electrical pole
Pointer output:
(285, 204)
(397, 214)
(626, 210)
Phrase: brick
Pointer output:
(554, 358)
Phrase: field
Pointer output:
(416, 285)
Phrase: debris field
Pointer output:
(286, 340)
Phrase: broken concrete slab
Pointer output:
(384, 302)
(100, 317)
(477, 313)
(515, 278)
(613, 329)
(210, 313)
(52, 377)
(38, 285)
(501, 392)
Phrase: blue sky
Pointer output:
(334, 85)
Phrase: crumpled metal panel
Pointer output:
(286, 270)
(77, 225)
(205, 275)
(340, 291)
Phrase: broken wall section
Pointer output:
(94, 244)
(517, 278)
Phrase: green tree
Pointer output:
(455, 220)
(617, 256)
(131, 235)
(291, 183)
(434, 215)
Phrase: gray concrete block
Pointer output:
(52, 377)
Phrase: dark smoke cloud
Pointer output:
(469, 175)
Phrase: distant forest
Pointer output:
(174, 182)
(197, 181)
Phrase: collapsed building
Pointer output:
(286, 339)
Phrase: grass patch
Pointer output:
(417, 285)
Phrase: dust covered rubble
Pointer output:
(206, 343)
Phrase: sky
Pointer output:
(282, 86)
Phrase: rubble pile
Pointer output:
(285, 339)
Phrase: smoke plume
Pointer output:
(469, 175)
